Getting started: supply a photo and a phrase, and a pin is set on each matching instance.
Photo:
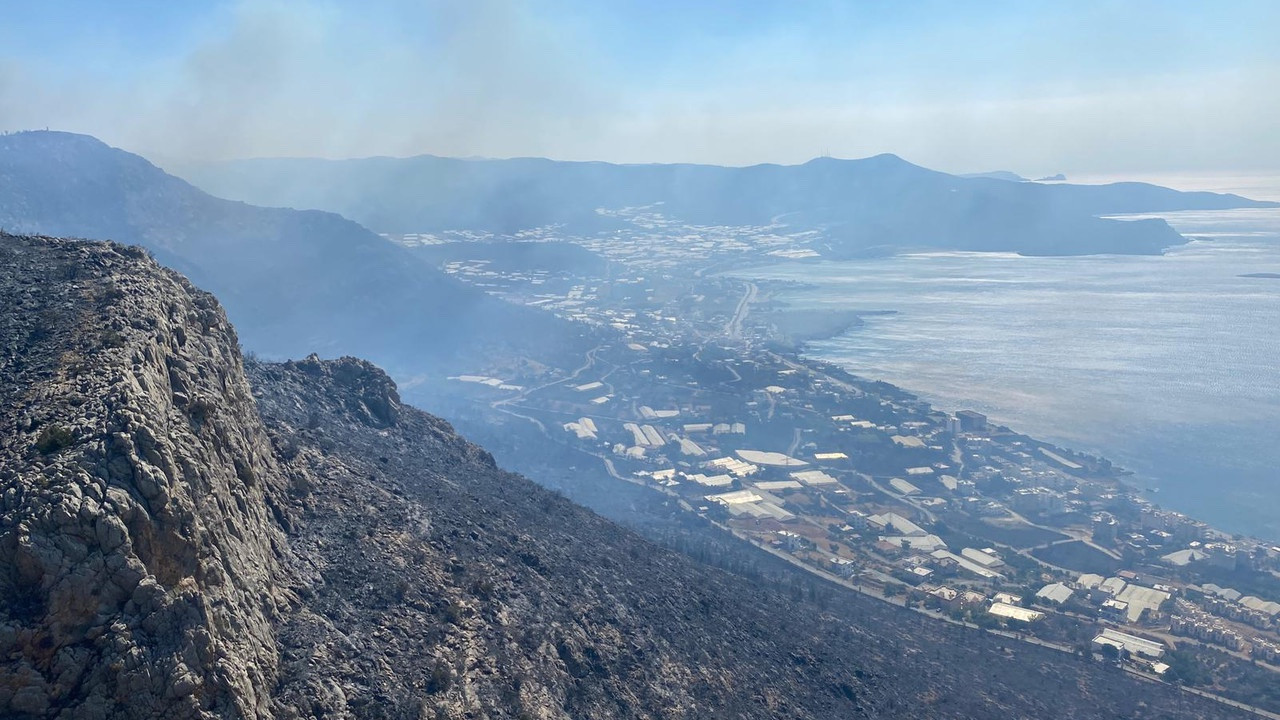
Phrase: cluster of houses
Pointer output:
(1248, 609)
(1205, 627)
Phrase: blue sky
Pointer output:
(1037, 87)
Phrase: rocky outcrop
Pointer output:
(139, 561)
(173, 545)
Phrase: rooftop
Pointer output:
(775, 459)
(1013, 612)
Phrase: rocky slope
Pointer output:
(173, 544)
(139, 560)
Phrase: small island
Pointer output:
(1266, 275)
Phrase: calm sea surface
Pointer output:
(1168, 365)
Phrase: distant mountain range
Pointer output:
(882, 203)
(997, 175)
(294, 282)
(1013, 176)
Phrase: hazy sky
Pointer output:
(1078, 86)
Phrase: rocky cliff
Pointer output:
(140, 559)
(173, 544)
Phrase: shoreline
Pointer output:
(1143, 484)
(1140, 482)
(1150, 446)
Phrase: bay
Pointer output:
(1169, 365)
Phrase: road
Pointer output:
(928, 514)
(795, 442)
(590, 362)
(847, 387)
(1072, 536)
(733, 328)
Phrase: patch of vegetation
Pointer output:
(200, 410)
(109, 295)
(54, 438)
(112, 339)
(1015, 535)
(46, 321)
(441, 678)
(1248, 582)
(1186, 668)
(136, 252)
(1078, 556)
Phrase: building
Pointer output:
(1132, 643)
(966, 565)
(1056, 593)
(953, 425)
(1115, 610)
(773, 459)
(584, 428)
(1112, 586)
(922, 543)
(772, 485)
(649, 413)
(1089, 581)
(814, 477)
(1013, 612)
(896, 522)
(971, 421)
(733, 466)
(985, 558)
(903, 486)
(691, 448)
(652, 436)
(711, 480)
(1141, 598)
(946, 594)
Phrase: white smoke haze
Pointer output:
(501, 78)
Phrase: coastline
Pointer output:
(1144, 479)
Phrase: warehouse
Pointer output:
(1134, 644)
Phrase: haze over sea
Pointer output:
(1168, 365)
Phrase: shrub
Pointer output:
(441, 678)
(112, 339)
(54, 438)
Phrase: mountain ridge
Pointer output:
(883, 200)
(294, 281)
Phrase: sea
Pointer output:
(1168, 365)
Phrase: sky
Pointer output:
(1089, 87)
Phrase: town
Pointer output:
(698, 391)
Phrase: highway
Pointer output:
(733, 328)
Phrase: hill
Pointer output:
(997, 175)
(878, 203)
(184, 535)
(294, 282)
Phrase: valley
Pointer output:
(704, 397)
